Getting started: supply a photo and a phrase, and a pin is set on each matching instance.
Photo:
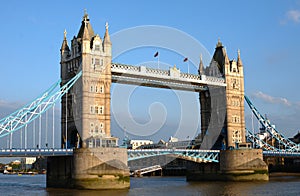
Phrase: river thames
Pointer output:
(36, 185)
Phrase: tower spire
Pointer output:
(106, 36)
(201, 67)
(239, 60)
(86, 30)
(64, 46)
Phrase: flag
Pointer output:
(156, 54)
(185, 59)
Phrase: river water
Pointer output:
(36, 185)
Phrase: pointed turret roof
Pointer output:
(64, 45)
(86, 31)
(201, 67)
(106, 38)
(220, 56)
(239, 60)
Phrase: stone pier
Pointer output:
(89, 168)
(235, 165)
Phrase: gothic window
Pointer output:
(101, 110)
(101, 89)
(96, 109)
(235, 119)
(97, 61)
(236, 136)
(96, 89)
(92, 110)
(91, 128)
(235, 84)
(92, 89)
(90, 143)
(97, 47)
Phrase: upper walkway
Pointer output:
(172, 78)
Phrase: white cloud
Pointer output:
(269, 99)
(293, 15)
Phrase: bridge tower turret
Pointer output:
(234, 77)
(230, 103)
(64, 54)
(86, 121)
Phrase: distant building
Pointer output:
(16, 162)
(134, 144)
(27, 162)
(173, 139)
(296, 138)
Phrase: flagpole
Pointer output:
(186, 59)
(158, 61)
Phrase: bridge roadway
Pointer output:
(171, 79)
(205, 155)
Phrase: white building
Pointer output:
(27, 162)
(134, 144)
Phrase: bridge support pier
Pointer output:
(89, 168)
(235, 165)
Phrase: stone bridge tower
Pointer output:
(228, 106)
(86, 119)
(223, 125)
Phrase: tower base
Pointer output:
(235, 165)
(89, 168)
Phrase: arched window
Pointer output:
(101, 89)
(91, 128)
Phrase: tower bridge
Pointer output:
(90, 158)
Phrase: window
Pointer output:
(101, 125)
(96, 109)
(96, 129)
(235, 119)
(96, 89)
(97, 61)
(101, 110)
(92, 109)
(97, 47)
(101, 89)
(90, 143)
(91, 128)
(92, 89)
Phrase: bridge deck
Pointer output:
(134, 154)
(35, 152)
(172, 79)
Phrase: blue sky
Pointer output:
(266, 32)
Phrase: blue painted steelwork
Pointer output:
(199, 155)
(287, 144)
(260, 143)
(31, 111)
